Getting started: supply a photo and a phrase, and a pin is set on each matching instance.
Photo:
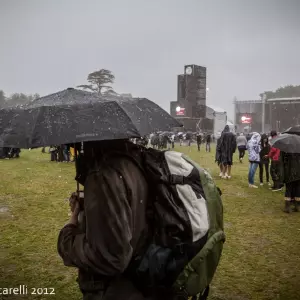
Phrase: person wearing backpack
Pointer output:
(151, 229)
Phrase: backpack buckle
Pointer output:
(177, 179)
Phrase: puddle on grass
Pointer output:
(4, 211)
(227, 225)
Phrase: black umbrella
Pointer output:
(72, 116)
(10, 119)
(293, 130)
(289, 143)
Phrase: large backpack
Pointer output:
(187, 220)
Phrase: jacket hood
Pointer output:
(256, 138)
(226, 129)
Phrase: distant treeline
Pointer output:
(283, 92)
(16, 99)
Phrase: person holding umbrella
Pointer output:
(289, 144)
(115, 186)
(291, 178)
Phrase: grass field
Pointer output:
(261, 257)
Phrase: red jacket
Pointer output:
(274, 154)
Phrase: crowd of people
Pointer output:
(164, 140)
(60, 153)
(8, 153)
(283, 168)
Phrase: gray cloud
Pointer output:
(247, 46)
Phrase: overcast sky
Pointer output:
(248, 46)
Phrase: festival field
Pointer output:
(261, 257)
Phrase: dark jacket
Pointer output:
(226, 146)
(290, 167)
(265, 149)
(199, 139)
(218, 151)
(116, 195)
(208, 138)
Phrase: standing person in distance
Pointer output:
(188, 138)
(208, 141)
(264, 161)
(199, 140)
(226, 148)
(242, 146)
(218, 157)
(254, 149)
(275, 168)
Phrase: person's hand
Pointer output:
(72, 201)
(75, 208)
(266, 156)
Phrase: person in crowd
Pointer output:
(115, 202)
(248, 137)
(208, 141)
(264, 161)
(172, 139)
(254, 149)
(60, 153)
(180, 137)
(275, 168)
(199, 140)
(53, 153)
(2, 154)
(242, 146)
(218, 157)
(188, 138)
(227, 148)
(291, 178)
(14, 153)
(66, 152)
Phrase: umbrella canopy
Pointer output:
(289, 143)
(72, 116)
(10, 119)
(293, 130)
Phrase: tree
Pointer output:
(283, 92)
(2, 99)
(98, 81)
(21, 99)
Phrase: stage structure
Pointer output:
(267, 114)
(190, 107)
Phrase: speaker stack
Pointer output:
(191, 91)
